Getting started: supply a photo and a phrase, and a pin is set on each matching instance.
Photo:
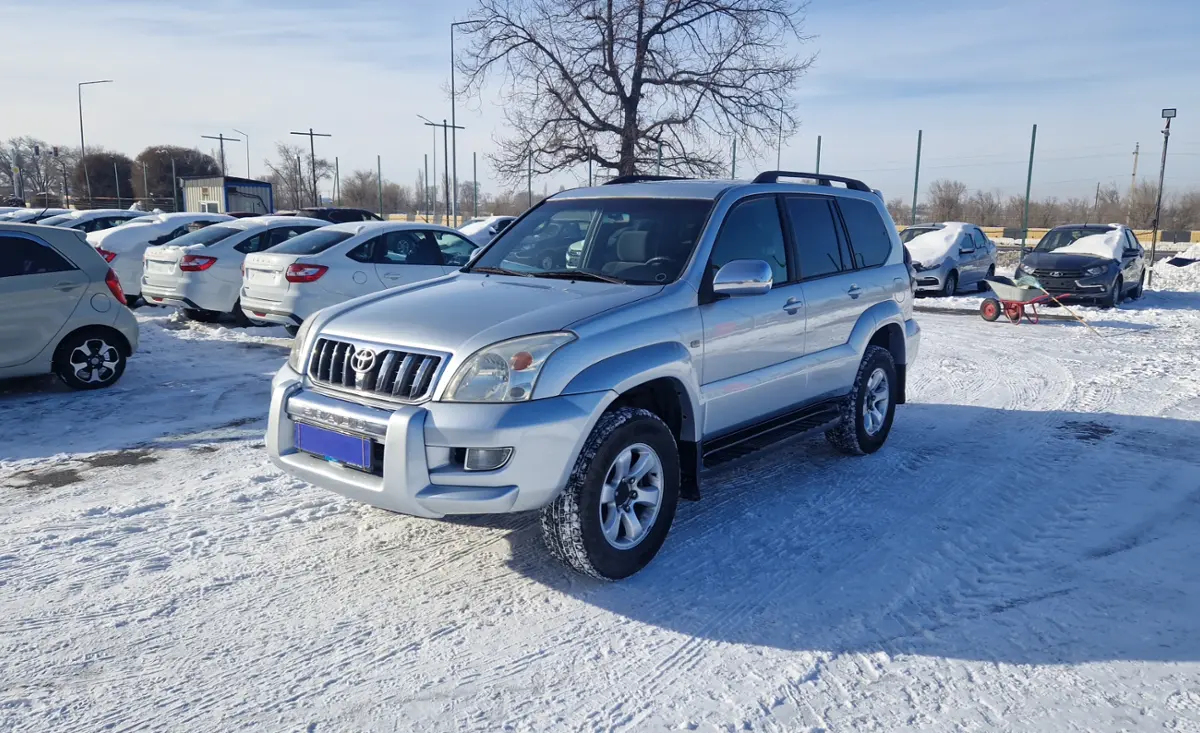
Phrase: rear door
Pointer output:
(39, 289)
(752, 343)
(1133, 260)
(456, 250)
(408, 256)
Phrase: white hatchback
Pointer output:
(201, 272)
(124, 246)
(336, 263)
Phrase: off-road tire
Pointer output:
(950, 287)
(850, 435)
(62, 357)
(571, 523)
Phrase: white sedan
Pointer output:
(124, 246)
(290, 282)
(30, 216)
(484, 229)
(201, 272)
(92, 220)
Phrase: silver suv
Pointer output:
(703, 320)
(62, 310)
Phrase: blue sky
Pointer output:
(974, 75)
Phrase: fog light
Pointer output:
(486, 459)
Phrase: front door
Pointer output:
(752, 343)
(39, 290)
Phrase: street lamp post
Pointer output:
(312, 158)
(1168, 115)
(453, 119)
(445, 157)
(247, 137)
(82, 149)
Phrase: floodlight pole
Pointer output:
(220, 137)
(1168, 115)
(916, 178)
(1028, 187)
(312, 157)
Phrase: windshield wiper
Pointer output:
(581, 275)
(499, 271)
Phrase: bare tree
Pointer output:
(947, 200)
(615, 82)
(291, 175)
(984, 208)
(900, 213)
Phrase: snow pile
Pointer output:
(1191, 253)
(1182, 279)
(1108, 245)
(931, 248)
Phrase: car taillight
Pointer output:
(196, 263)
(108, 256)
(114, 286)
(304, 273)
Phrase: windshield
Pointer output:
(54, 221)
(640, 241)
(912, 233)
(474, 226)
(207, 235)
(310, 243)
(1059, 238)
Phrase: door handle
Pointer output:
(65, 286)
(854, 291)
(792, 306)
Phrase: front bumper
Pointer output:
(418, 474)
(929, 281)
(1092, 287)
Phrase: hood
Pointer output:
(932, 247)
(125, 235)
(464, 312)
(1060, 260)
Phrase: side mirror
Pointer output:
(743, 277)
(966, 250)
(474, 256)
(493, 231)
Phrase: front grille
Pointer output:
(391, 374)
(1062, 274)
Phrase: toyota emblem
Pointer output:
(363, 360)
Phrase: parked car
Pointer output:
(92, 220)
(30, 216)
(124, 246)
(949, 255)
(1097, 262)
(289, 283)
(201, 272)
(740, 314)
(61, 309)
(333, 214)
(482, 230)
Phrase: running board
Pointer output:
(745, 441)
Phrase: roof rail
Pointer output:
(821, 178)
(641, 178)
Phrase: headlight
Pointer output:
(504, 372)
(1097, 270)
(924, 268)
(297, 353)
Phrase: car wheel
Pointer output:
(133, 301)
(240, 318)
(950, 287)
(620, 500)
(989, 309)
(201, 316)
(1140, 290)
(292, 330)
(547, 262)
(1113, 299)
(89, 359)
(983, 286)
(868, 412)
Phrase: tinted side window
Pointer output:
(253, 244)
(283, 234)
(410, 248)
(817, 237)
(456, 250)
(752, 231)
(20, 256)
(869, 236)
(363, 252)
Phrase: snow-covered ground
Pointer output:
(1024, 554)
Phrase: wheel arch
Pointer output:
(98, 329)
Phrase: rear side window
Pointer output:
(752, 231)
(365, 252)
(869, 236)
(282, 234)
(311, 243)
(822, 251)
(20, 256)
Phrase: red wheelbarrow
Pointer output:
(1016, 301)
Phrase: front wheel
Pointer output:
(89, 360)
(989, 309)
(868, 412)
(1140, 290)
(1113, 299)
(951, 285)
(620, 500)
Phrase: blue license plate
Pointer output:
(334, 446)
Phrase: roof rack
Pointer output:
(641, 178)
(821, 178)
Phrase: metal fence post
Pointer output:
(379, 181)
(818, 154)
(1028, 186)
(117, 180)
(916, 178)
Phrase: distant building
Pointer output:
(227, 195)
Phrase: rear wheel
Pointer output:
(989, 309)
(868, 412)
(991, 273)
(950, 287)
(1140, 290)
(243, 320)
(620, 500)
(89, 359)
(201, 316)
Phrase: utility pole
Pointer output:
(475, 180)
(337, 183)
(659, 158)
(446, 127)
(379, 181)
(222, 139)
(529, 181)
(589, 172)
(63, 166)
(1168, 115)
(299, 180)
(779, 147)
(453, 119)
(312, 157)
(1132, 185)
(425, 185)
(733, 166)
(1028, 186)
(818, 154)
(117, 181)
(83, 150)
(145, 185)
(174, 185)
(247, 137)
(916, 178)
(1096, 205)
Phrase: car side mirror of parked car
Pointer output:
(966, 250)
(743, 277)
